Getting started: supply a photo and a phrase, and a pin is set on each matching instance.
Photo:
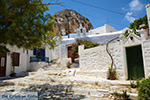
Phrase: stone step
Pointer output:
(6, 83)
(88, 89)
(95, 73)
(95, 98)
(80, 87)
(60, 79)
(47, 72)
(55, 65)
(53, 68)
(32, 73)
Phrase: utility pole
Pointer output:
(59, 29)
(69, 17)
(68, 27)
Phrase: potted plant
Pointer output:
(112, 74)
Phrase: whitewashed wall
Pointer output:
(146, 56)
(23, 62)
(148, 15)
(92, 58)
(49, 53)
(97, 58)
(34, 66)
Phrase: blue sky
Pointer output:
(131, 10)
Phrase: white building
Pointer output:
(21, 61)
(103, 29)
(24, 60)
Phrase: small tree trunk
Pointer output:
(72, 60)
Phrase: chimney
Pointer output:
(148, 15)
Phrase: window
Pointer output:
(16, 59)
(2, 62)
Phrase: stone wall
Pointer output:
(94, 58)
(116, 50)
(146, 53)
(98, 59)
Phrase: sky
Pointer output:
(117, 13)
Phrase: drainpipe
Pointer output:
(68, 28)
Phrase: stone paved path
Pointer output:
(57, 84)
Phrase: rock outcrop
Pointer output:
(69, 19)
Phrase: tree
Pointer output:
(135, 25)
(138, 22)
(23, 23)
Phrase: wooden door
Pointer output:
(2, 65)
(135, 62)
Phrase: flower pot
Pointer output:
(13, 75)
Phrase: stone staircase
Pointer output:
(93, 73)
(52, 84)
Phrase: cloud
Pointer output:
(124, 9)
(129, 17)
(136, 5)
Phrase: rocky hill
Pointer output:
(74, 19)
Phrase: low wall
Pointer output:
(34, 66)
(97, 58)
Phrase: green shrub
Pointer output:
(135, 83)
(112, 73)
(127, 32)
(117, 95)
(121, 96)
(144, 89)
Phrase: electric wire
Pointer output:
(100, 19)
(108, 10)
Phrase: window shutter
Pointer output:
(43, 52)
(34, 51)
(16, 59)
